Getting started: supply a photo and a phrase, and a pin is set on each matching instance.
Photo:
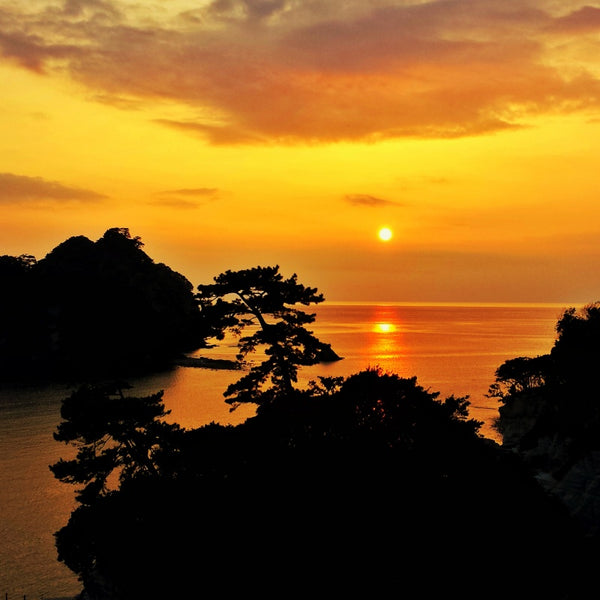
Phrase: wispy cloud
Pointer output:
(368, 200)
(202, 192)
(217, 134)
(186, 198)
(264, 71)
(24, 189)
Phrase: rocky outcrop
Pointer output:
(518, 418)
(579, 490)
(327, 354)
(565, 468)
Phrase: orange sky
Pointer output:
(232, 133)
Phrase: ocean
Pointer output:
(450, 349)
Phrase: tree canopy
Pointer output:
(247, 299)
(113, 434)
(362, 488)
(560, 388)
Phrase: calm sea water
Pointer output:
(451, 349)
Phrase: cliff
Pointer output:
(564, 466)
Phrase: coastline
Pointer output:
(202, 362)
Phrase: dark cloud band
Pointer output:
(368, 200)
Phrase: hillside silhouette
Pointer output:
(92, 309)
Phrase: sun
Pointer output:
(385, 234)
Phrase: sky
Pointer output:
(228, 134)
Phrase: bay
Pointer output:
(453, 350)
(450, 349)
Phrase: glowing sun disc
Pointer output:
(385, 234)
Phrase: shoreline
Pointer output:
(202, 362)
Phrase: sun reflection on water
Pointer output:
(384, 328)
(385, 338)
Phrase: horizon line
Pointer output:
(467, 304)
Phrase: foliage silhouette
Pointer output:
(557, 389)
(21, 327)
(93, 309)
(241, 299)
(374, 485)
(112, 434)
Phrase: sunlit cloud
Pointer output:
(23, 189)
(250, 10)
(281, 71)
(216, 134)
(584, 20)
